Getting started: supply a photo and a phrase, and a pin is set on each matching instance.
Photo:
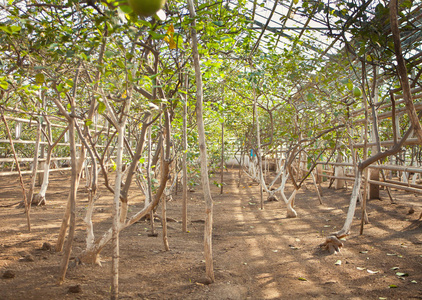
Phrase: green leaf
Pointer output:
(401, 274)
(126, 9)
(357, 92)
(11, 29)
(4, 85)
(392, 286)
(101, 107)
(39, 78)
(108, 54)
(70, 53)
(406, 4)
(302, 279)
(157, 36)
(15, 29)
(5, 29)
(88, 122)
(310, 97)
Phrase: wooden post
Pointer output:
(319, 174)
(339, 172)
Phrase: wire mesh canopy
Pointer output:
(326, 25)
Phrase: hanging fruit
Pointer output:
(357, 92)
(146, 8)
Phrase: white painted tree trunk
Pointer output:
(352, 206)
(34, 165)
(39, 199)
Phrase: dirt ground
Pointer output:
(258, 254)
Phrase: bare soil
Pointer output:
(258, 254)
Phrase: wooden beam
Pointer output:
(396, 186)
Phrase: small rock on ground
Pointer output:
(9, 274)
(75, 289)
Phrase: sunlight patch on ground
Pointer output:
(254, 248)
(266, 280)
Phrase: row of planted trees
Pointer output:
(146, 95)
(122, 87)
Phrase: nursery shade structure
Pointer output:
(286, 45)
(288, 20)
(324, 25)
(329, 32)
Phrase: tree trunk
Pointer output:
(116, 212)
(39, 199)
(222, 152)
(402, 71)
(258, 151)
(74, 182)
(185, 161)
(209, 267)
(148, 196)
(92, 255)
(352, 206)
(165, 156)
(34, 165)
(365, 151)
(164, 223)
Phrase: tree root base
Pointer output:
(37, 200)
(291, 214)
(332, 244)
(89, 257)
(272, 198)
